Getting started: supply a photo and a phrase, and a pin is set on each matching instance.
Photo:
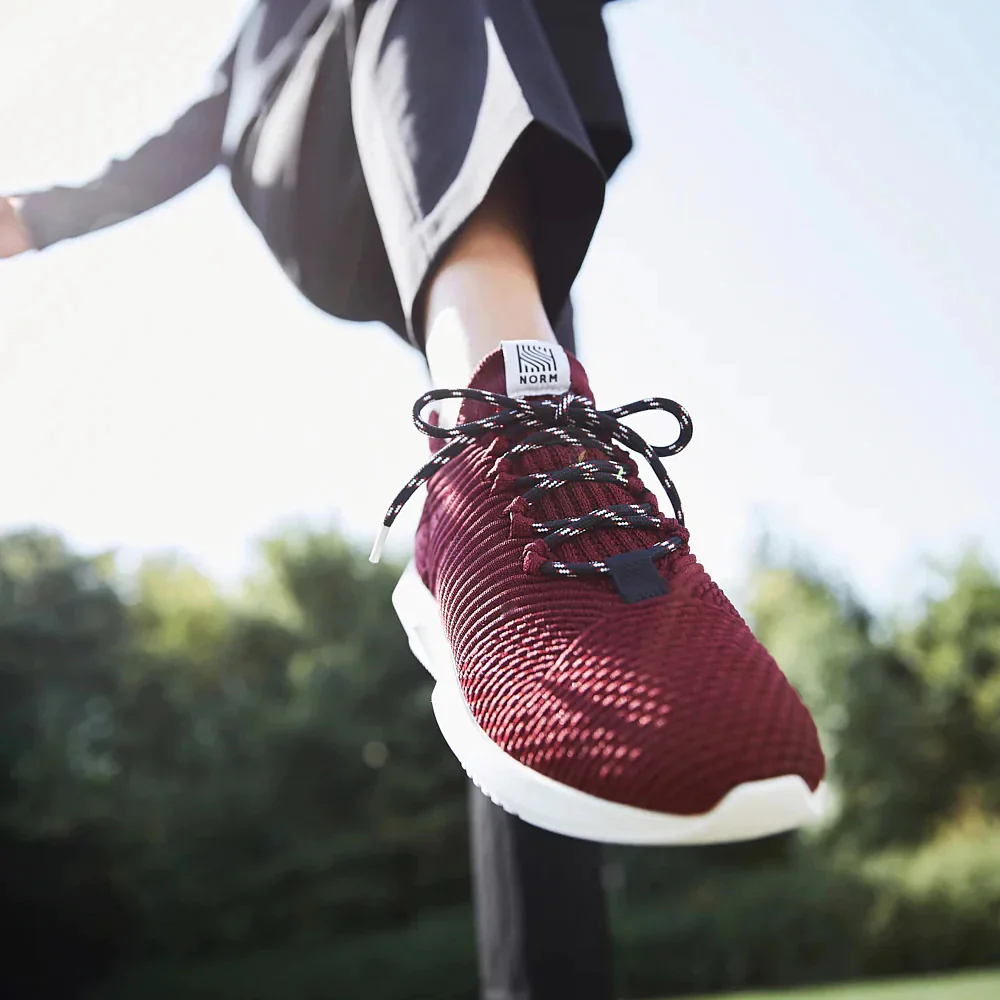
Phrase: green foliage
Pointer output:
(816, 632)
(62, 633)
(955, 649)
(247, 796)
(770, 926)
(242, 773)
(911, 723)
(819, 918)
(939, 907)
(433, 957)
(179, 614)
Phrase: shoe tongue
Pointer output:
(532, 368)
(525, 368)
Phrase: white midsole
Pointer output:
(755, 809)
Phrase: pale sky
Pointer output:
(803, 250)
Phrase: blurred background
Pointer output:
(221, 777)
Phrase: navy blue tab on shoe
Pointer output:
(636, 577)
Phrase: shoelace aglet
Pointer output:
(379, 547)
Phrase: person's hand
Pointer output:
(14, 236)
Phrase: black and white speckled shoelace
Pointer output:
(571, 420)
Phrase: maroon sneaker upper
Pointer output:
(640, 684)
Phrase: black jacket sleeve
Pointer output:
(160, 169)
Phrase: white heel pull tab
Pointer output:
(379, 547)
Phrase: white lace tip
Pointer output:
(379, 547)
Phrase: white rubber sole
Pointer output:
(752, 810)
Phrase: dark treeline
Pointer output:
(206, 795)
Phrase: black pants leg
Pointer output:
(540, 913)
(413, 112)
(444, 93)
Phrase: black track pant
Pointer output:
(441, 94)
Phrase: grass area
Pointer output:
(971, 986)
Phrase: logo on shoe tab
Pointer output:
(536, 365)
(535, 368)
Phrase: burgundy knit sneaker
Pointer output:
(590, 677)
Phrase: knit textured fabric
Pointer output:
(666, 704)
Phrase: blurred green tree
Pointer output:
(909, 720)
(188, 771)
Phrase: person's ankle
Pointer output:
(484, 291)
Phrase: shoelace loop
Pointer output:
(573, 420)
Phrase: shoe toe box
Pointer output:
(667, 705)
